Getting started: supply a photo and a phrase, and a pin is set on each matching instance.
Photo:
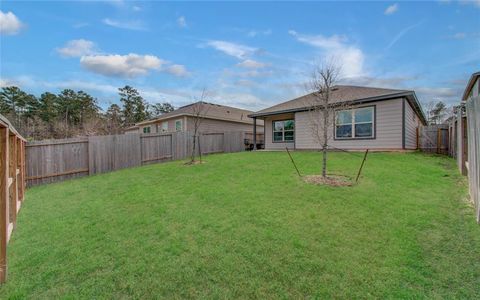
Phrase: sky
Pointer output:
(245, 54)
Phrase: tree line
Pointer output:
(74, 113)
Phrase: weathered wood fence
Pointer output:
(12, 185)
(473, 146)
(434, 139)
(57, 160)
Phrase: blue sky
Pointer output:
(250, 55)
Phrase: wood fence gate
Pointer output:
(434, 139)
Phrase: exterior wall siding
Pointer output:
(411, 124)
(269, 144)
(212, 125)
(388, 127)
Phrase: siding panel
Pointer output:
(388, 129)
(269, 144)
(411, 124)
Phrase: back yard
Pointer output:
(244, 226)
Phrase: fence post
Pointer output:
(13, 175)
(4, 199)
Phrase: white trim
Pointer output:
(353, 123)
(181, 124)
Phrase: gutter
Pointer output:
(408, 94)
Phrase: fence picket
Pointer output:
(58, 160)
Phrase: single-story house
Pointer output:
(214, 118)
(376, 118)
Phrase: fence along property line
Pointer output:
(57, 160)
(12, 185)
(473, 145)
(434, 139)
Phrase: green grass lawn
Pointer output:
(245, 226)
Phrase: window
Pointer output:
(165, 126)
(178, 125)
(283, 131)
(146, 129)
(355, 123)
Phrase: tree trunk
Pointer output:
(325, 145)
(324, 162)
(194, 146)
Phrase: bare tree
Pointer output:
(321, 106)
(199, 111)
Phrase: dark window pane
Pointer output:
(364, 115)
(344, 117)
(289, 135)
(344, 131)
(289, 125)
(363, 130)
(277, 136)
(278, 126)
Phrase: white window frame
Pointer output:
(164, 126)
(181, 125)
(149, 129)
(283, 131)
(353, 123)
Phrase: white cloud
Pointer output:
(460, 35)
(182, 22)
(251, 64)
(402, 33)
(473, 2)
(177, 70)
(9, 23)
(4, 82)
(130, 65)
(131, 25)
(391, 9)
(350, 57)
(232, 49)
(136, 8)
(77, 48)
(254, 33)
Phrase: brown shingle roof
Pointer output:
(209, 110)
(340, 93)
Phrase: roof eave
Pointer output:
(357, 101)
(408, 94)
(470, 84)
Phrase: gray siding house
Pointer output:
(376, 118)
(215, 118)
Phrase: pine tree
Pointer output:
(134, 106)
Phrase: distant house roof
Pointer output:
(209, 110)
(345, 93)
(470, 84)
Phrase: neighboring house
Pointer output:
(215, 118)
(389, 121)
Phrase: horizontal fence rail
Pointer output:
(57, 160)
(12, 185)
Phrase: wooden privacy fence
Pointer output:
(57, 160)
(434, 139)
(12, 185)
(473, 145)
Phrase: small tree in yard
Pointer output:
(199, 111)
(321, 107)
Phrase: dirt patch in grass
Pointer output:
(331, 180)
(192, 163)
